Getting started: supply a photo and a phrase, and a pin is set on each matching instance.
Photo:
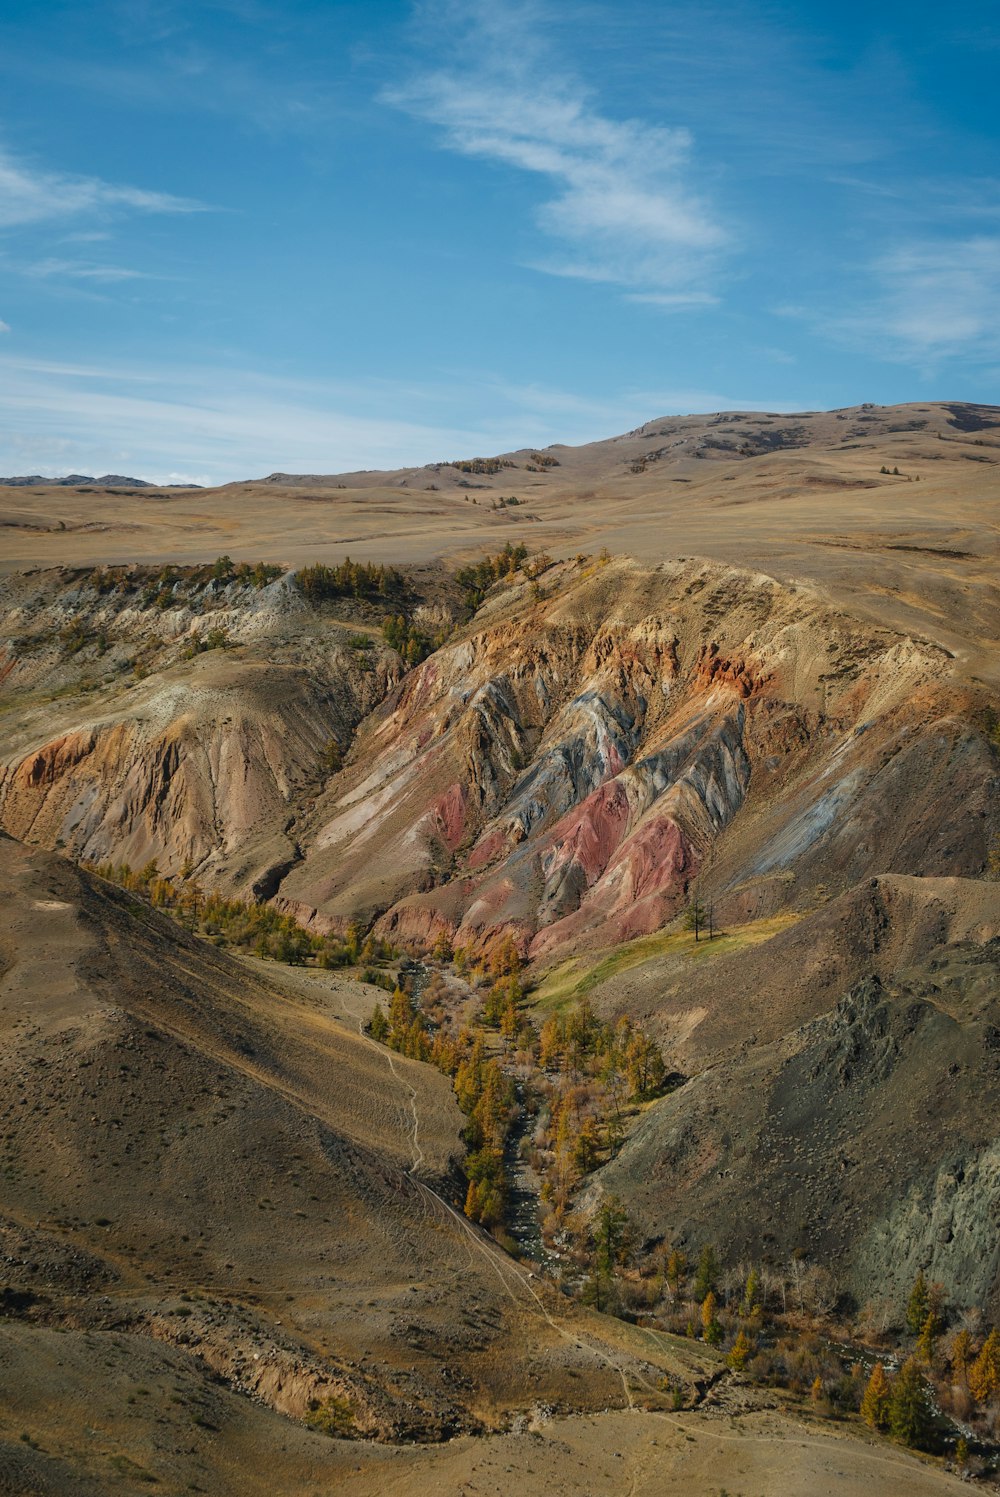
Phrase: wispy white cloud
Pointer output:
(920, 303)
(213, 425)
(4, 326)
(81, 270)
(30, 195)
(940, 300)
(85, 236)
(675, 301)
(623, 204)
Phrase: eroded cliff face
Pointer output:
(564, 771)
(193, 734)
(589, 747)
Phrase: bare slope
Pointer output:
(192, 730)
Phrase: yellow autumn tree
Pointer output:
(961, 1356)
(875, 1401)
(711, 1329)
(742, 1350)
(927, 1339)
(984, 1374)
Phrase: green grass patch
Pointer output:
(572, 979)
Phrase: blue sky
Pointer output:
(238, 237)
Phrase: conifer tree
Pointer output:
(442, 950)
(711, 1329)
(909, 1407)
(378, 1024)
(984, 1374)
(928, 1338)
(644, 1067)
(918, 1305)
(509, 1022)
(676, 1271)
(875, 1402)
(961, 1356)
(751, 1294)
(708, 1272)
(695, 916)
(400, 1019)
(586, 1150)
(417, 1045)
(612, 1236)
(741, 1352)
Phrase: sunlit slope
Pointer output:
(799, 495)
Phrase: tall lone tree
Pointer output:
(910, 1419)
(984, 1374)
(918, 1305)
(695, 916)
(875, 1402)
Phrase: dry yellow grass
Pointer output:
(917, 552)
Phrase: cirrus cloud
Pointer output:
(30, 195)
(622, 202)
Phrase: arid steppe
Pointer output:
(747, 663)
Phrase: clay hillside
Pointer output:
(500, 966)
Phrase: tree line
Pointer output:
(350, 579)
(245, 924)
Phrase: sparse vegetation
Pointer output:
(480, 577)
(580, 1079)
(212, 639)
(412, 642)
(483, 465)
(332, 1416)
(243, 924)
(349, 579)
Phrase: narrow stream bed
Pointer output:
(522, 1187)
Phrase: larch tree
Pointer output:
(875, 1401)
(711, 1329)
(741, 1352)
(927, 1341)
(708, 1272)
(751, 1294)
(984, 1374)
(676, 1271)
(918, 1305)
(960, 1356)
(910, 1419)
(695, 916)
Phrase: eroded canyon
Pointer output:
(211, 1171)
